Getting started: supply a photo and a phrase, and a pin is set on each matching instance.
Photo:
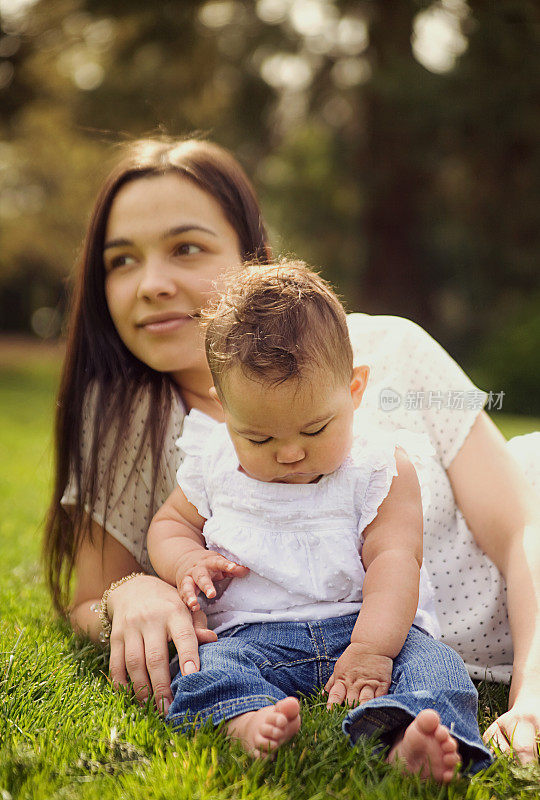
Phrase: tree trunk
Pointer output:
(391, 160)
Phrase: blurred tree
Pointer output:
(393, 144)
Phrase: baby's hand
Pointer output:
(358, 676)
(198, 570)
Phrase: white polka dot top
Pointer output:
(414, 384)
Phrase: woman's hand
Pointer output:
(146, 614)
(517, 732)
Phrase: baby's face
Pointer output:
(294, 432)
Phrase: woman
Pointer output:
(170, 219)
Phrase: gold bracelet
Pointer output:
(102, 609)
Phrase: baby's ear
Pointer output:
(359, 383)
(214, 395)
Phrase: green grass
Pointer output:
(64, 733)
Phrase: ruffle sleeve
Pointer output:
(417, 448)
(193, 446)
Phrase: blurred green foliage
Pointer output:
(393, 144)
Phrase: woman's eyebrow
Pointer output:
(117, 243)
(185, 228)
(171, 232)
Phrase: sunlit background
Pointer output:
(393, 144)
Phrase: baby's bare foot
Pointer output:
(427, 748)
(264, 730)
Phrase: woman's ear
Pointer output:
(359, 383)
(214, 395)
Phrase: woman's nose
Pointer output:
(290, 454)
(156, 281)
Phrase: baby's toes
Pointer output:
(449, 756)
(442, 733)
(447, 776)
(449, 746)
(265, 744)
(279, 720)
(446, 741)
(450, 761)
(271, 732)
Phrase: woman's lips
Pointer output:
(166, 324)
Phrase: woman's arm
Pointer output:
(503, 514)
(146, 613)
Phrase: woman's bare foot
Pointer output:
(266, 729)
(427, 748)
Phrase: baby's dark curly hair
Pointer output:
(277, 322)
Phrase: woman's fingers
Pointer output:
(205, 635)
(117, 663)
(136, 665)
(202, 631)
(525, 742)
(185, 640)
(516, 736)
(496, 738)
(132, 655)
(157, 665)
(143, 622)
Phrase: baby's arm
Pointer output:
(392, 558)
(176, 548)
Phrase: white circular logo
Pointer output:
(389, 399)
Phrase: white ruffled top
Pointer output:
(301, 542)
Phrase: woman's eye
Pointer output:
(258, 441)
(188, 249)
(316, 433)
(118, 261)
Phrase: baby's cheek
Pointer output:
(254, 465)
(341, 450)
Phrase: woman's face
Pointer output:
(167, 243)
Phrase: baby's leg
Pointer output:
(429, 684)
(231, 688)
(263, 731)
(427, 748)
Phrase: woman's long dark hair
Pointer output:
(97, 362)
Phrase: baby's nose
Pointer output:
(290, 454)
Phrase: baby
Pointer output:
(313, 536)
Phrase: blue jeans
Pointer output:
(255, 665)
